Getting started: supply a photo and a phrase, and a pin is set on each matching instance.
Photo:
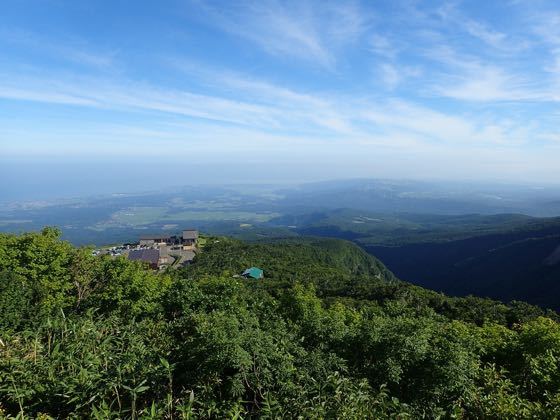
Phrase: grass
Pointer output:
(142, 216)
(139, 215)
(220, 216)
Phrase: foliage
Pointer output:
(328, 333)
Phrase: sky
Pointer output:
(278, 91)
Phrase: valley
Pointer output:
(507, 256)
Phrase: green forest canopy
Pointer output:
(328, 333)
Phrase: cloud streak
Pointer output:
(294, 29)
(73, 49)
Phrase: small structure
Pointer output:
(163, 256)
(254, 273)
(188, 257)
(151, 240)
(189, 239)
(151, 256)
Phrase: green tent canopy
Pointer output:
(253, 272)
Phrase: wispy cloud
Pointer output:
(392, 75)
(309, 109)
(295, 29)
(265, 107)
(381, 45)
(272, 108)
(468, 78)
(489, 36)
(471, 60)
(546, 26)
(130, 95)
(490, 83)
(452, 15)
(72, 49)
(44, 95)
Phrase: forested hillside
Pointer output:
(521, 264)
(328, 333)
(506, 256)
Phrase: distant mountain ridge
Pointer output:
(445, 198)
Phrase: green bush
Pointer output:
(328, 333)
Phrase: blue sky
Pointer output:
(298, 90)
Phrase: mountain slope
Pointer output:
(99, 337)
(317, 260)
(521, 265)
(504, 256)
